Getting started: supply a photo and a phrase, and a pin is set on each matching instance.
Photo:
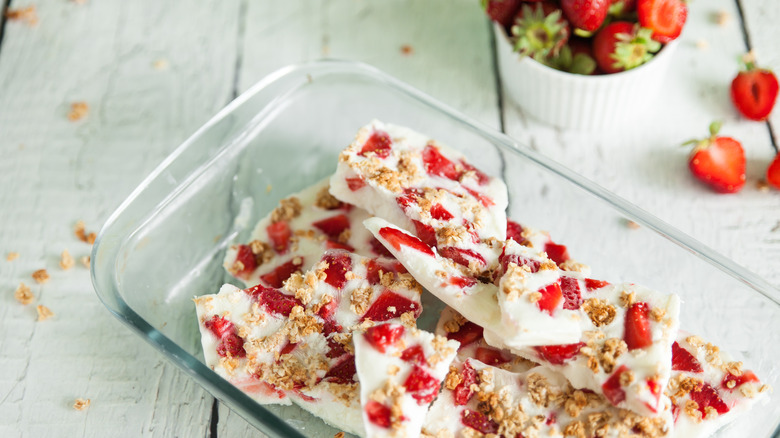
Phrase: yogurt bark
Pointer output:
(400, 370)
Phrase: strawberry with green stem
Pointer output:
(718, 161)
(621, 46)
(754, 90)
(539, 31)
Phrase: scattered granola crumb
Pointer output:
(268, 188)
(762, 186)
(702, 44)
(80, 230)
(23, 294)
(79, 2)
(160, 64)
(85, 260)
(12, 256)
(40, 276)
(339, 435)
(27, 14)
(80, 404)
(632, 225)
(66, 261)
(44, 312)
(78, 110)
(721, 17)
(407, 50)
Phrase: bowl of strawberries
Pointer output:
(585, 64)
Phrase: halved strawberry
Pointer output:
(540, 31)
(501, 11)
(664, 17)
(466, 334)
(622, 45)
(557, 253)
(333, 226)
(462, 256)
(279, 233)
(551, 297)
(559, 354)
(718, 161)
(478, 421)
(637, 333)
(273, 300)
(422, 385)
(463, 392)
(707, 396)
(591, 284)
(339, 263)
(396, 238)
(683, 360)
(437, 164)
(773, 172)
(281, 273)
(391, 305)
(612, 389)
(379, 144)
(585, 14)
(440, 213)
(572, 297)
(378, 414)
(384, 335)
(414, 354)
(731, 382)
(491, 356)
(246, 257)
(342, 372)
(754, 90)
(356, 183)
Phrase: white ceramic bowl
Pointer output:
(573, 101)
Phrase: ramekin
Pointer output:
(581, 102)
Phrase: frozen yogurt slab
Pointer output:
(400, 370)
(479, 399)
(293, 237)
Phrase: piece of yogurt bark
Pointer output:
(707, 388)
(425, 188)
(479, 399)
(293, 237)
(297, 340)
(400, 370)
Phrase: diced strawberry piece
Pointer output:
(483, 199)
(246, 257)
(272, 300)
(288, 348)
(556, 253)
(559, 354)
(514, 231)
(463, 392)
(279, 233)
(414, 354)
(331, 244)
(707, 396)
(382, 336)
(343, 372)
(637, 332)
(374, 269)
(422, 385)
(329, 326)
(506, 259)
(333, 226)
(551, 298)
(478, 421)
(437, 164)
(219, 326)
(426, 233)
(396, 238)
(409, 197)
(572, 298)
(355, 184)
(747, 376)
(675, 412)
(379, 143)
(378, 248)
(591, 284)
(339, 263)
(391, 305)
(252, 385)
(281, 273)
(462, 282)
(482, 179)
(612, 389)
(378, 414)
(467, 334)
(302, 396)
(462, 256)
(490, 356)
(683, 360)
(327, 311)
(335, 349)
(655, 389)
(231, 345)
(440, 213)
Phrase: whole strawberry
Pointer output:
(773, 173)
(621, 46)
(754, 90)
(585, 14)
(501, 11)
(664, 17)
(718, 161)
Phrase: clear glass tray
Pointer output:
(164, 244)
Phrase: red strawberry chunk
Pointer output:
(655, 389)
(591, 284)
(378, 248)
(378, 414)
(382, 336)
(502, 11)
(333, 226)
(279, 233)
(373, 270)
(482, 179)
(572, 298)
(612, 389)
(379, 143)
(462, 256)
(343, 372)
(281, 273)
(391, 305)
(426, 233)
(467, 334)
(335, 349)
(273, 300)
(478, 421)
(637, 332)
(559, 354)
(514, 231)
(463, 282)
(731, 382)
(422, 385)
(288, 348)
(396, 238)
(339, 263)
(707, 396)
(414, 354)
(219, 326)
(556, 253)
(356, 183)
(683, 360)
(491, 356)
(231, 345)
(506, 259)
(483, 199)
(246, 257)
(437, 164)
(463, 392)
(551, 298)
(331, 244)
(440, 213)
(409, 197)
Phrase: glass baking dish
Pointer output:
(165, 243)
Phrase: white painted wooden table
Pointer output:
(153, 71)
